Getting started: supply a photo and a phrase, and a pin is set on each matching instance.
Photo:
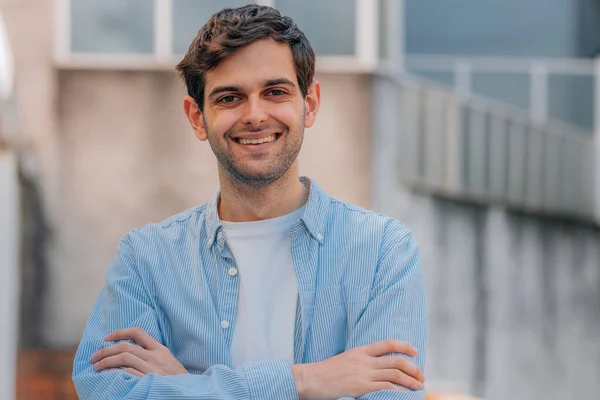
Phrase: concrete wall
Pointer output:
(9, 269)
(514, 300)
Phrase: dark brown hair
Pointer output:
(231, 29)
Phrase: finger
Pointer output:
(125, 360)
(377, 386)
(398, 377)
(123, 347)
(135, 334)
(390, 346)
(130, 371)
(401, 364)
(134, 372)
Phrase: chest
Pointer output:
(197, 307)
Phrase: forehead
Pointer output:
(252, 65)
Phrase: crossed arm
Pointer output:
(146, 369)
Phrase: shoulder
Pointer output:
(370, 222)
(171, 228)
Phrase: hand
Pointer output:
(359, 371)
(146, 357)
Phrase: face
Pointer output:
(254, 113)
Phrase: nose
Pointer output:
(254, 113)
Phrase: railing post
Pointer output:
(400, 13)
(539, 93)
(395, 32)
(462, 80)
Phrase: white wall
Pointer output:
(9, 263)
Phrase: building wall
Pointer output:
(513, 299)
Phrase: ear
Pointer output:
(312, 102)
(194, 116)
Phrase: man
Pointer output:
(273, 290)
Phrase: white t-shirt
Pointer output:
(268, 292)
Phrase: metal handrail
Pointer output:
(480, 149)
(490, 64)
(538, 69)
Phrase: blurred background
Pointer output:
(476, 123)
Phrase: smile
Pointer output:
(267, 139)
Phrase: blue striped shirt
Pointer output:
(359, 282)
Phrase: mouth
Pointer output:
(254, 142)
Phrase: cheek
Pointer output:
(289, 114)
(222, 122)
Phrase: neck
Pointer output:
(243, 203)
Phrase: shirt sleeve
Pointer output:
(397, 307)
(124, 303)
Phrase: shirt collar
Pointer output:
(316, 211)
(314, 216)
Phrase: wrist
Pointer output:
(299, 372)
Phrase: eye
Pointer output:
(228, 99)
(276, 92)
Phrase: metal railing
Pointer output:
(538, 74)
(484, 150)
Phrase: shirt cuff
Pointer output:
(271, 380)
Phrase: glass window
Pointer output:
(190, 15)
(329, 25)
(112, 26)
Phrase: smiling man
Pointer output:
(274, 289)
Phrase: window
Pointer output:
(112, 26)
(190, 15)
(156, 33)
(329, 25)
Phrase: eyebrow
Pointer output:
(267, 83)
(278, 81)
(221, 89)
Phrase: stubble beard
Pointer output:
(277, 168)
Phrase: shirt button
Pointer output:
(224, 324)
(320, 237)
(233, 271)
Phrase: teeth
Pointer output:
(267, 139)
